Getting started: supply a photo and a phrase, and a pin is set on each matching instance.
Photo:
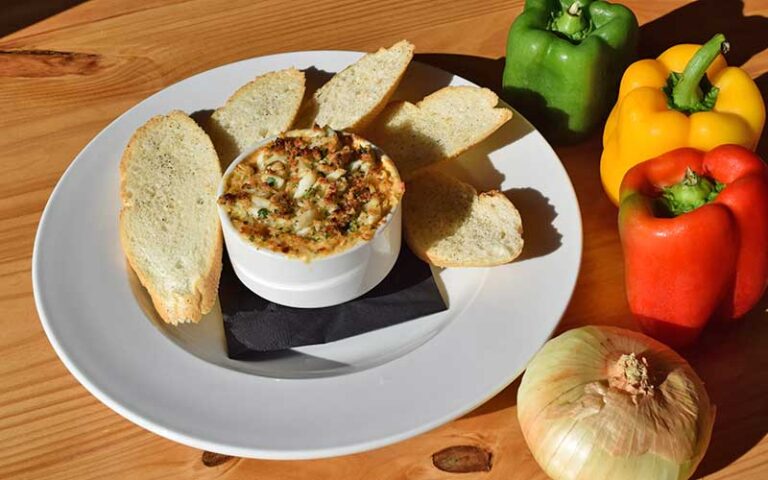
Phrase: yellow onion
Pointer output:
(604, 403)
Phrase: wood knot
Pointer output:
(212, 459)
(47, 63)
(463, 459)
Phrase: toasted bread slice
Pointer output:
(263, 107)
(354, 97)
(449, 225)
(169, 225)
(440, 127)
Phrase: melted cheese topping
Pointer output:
(310, 193)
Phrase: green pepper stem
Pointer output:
(692, 192)
(571, 21)
(687, 93)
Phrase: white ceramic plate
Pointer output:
(348, 396)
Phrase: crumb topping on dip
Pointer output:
(309, 193)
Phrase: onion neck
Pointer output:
(630, 374)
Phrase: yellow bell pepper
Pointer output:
(660, 109)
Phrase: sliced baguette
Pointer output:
(265, 106)
(449, 225)
(354, 97)
(169, 225)
(440, 127)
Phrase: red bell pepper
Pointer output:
(694, 229)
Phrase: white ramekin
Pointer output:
(322, 282)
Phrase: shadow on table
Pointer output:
(762, 85)
(18, 14)
(485, 72)
(698, 21)
(732, 361)
(488, 72)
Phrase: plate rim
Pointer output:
(277, 454)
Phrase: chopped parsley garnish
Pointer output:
(338, 202)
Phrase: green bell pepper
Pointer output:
(564, 63)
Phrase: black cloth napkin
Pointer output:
(254, 325)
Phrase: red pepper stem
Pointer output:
(687, 93)
(688, 194)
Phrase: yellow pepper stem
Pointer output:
(686, 93)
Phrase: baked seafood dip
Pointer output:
(311, 193)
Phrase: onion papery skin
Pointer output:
(580, 425)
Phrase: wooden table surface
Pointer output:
(66, 78)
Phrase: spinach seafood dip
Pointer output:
(311, 193)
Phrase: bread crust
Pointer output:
(224, 140)
(366, 120)
(423, 250)
(245, 89)
(360, 124)
(188, 308)
(392, 143)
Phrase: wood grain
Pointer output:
(64, 79)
